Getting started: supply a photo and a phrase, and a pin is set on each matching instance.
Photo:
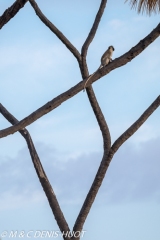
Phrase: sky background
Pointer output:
(35, 67)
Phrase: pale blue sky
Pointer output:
(34, 68)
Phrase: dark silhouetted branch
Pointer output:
(100, 119)
(135, 126)
(94, 28)
(40, 172)
(11, 12)
(59, 34)
(102, 170)
(83, 66)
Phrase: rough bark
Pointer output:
(40, 173)
(133, 128)
(56, 31)
(90, 37)
(94, 28)
(11, 12)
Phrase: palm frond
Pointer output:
(148, 6)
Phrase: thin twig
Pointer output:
(124, 59)
(40, 172)
(55, 30)
(11, 12)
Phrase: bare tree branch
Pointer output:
(59, 34)
(94, 28)
(135, 126)
(40, 172)
(100, 119)
(128, 56)
(83, 66)
(108, 150)
(101, 171)
(92, 193)
(101, 122)
(105, 164)
(124, 59)
(11, 12)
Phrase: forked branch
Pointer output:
(54, 103)
(55, 30)
(105, 164)
(40, 172)
(101, 122)
(11, 11)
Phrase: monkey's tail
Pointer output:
(90, 77)
(87, 82)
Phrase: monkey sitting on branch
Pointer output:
(105, 59)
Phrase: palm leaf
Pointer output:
(147, 6)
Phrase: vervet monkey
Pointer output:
(105, 59)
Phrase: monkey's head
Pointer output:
(111, 47)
